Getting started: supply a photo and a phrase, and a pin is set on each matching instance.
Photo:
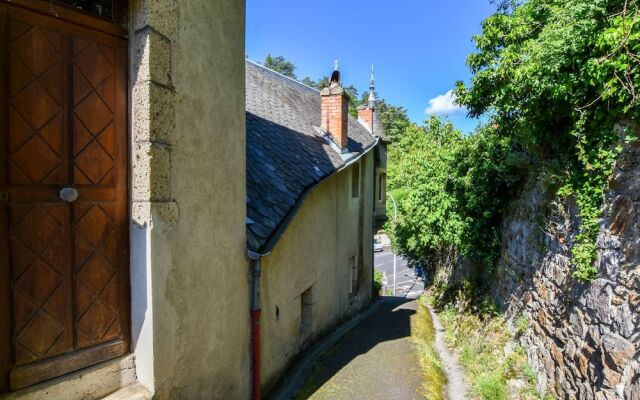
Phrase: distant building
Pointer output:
(312, 198)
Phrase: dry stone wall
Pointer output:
(582, 338)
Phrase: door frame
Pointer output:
(59, 10)
(5, 273)
(20, 377)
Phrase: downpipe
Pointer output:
(255, 324)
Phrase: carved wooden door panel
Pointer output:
(64, 296)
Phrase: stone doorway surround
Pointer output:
(152, 25)
(151, 117)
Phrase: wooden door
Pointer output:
(64, 262)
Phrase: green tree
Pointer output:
(452, 190)
(394, 119)
(309, 82)
(418, 170)
(280, 64)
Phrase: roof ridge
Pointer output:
(281, 74)
(286, 155)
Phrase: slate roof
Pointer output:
(378, 130)
(287, 154)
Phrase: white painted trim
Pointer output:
(142, 304)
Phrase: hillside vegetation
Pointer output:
(553, 77)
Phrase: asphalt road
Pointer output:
(406, 284)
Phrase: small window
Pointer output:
(306, 313)
(355, 180)
(381, 187)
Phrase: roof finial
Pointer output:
(371, 103)
(372, 81)
(335, 64)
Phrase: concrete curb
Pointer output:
(295, 376)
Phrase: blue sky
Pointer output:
(418, 47)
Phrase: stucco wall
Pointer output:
(315, 251)
(189, 272)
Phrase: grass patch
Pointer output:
(423, 335)
(481, 340)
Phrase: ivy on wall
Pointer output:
(555, 76)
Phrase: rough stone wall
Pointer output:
(583, 339)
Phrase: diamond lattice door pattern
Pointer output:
(63, 300)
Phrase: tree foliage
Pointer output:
(394, 119)
(556, 75)
(452, 190)
(280, 64)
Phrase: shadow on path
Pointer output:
(375, 360)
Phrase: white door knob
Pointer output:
(68, 194)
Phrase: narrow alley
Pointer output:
(376, 360)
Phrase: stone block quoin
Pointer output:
(153, 110)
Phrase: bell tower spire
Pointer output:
(371, 103)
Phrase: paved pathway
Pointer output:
(406, 284)
(376, 360)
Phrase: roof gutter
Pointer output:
(277, 234)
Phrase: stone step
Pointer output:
(131, 392)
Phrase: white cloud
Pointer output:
(444, 105)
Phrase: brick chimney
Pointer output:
(365, 112)
(335, 111)
(365, 115)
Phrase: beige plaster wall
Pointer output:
(189, 268)
(315, 251)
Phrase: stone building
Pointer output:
(134, 276)
(310, 193)
(124, 181)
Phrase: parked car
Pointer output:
(418, 272)
(377, 245)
